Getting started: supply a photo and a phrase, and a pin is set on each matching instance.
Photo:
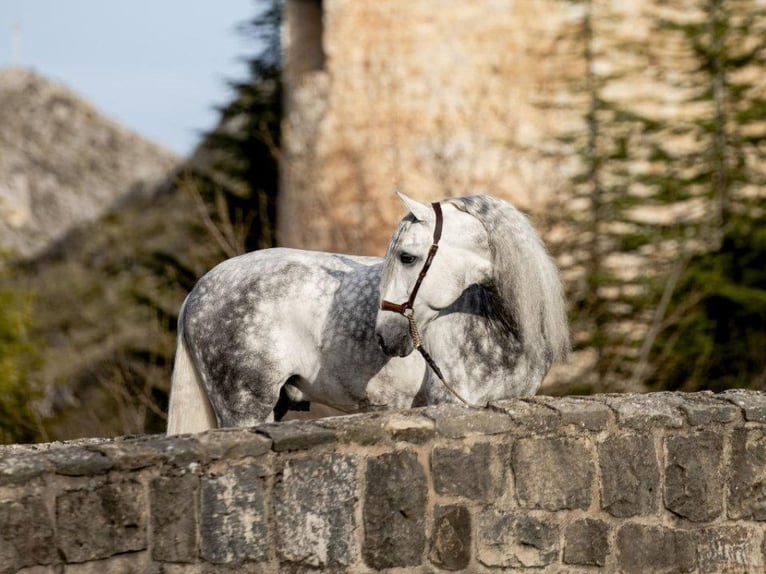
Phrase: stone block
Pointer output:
(409, 427)
(703, 409)
(747, 475)
(630, 475)
(79, 461)
(233, 443)
(174, 507)
(453, 421)
(135, 563)
(579, 412)
(26, 534)
(752, 403)
(510, 540)
(394, 511)
(296, 435)
(98, 523)
(586, 543)
(731, 549)
(175, 450)
(22, 467)
(40, 570)
(233, 522)
(528, 417)
(464, 472)
(451, 539)
(314, 507)
(553, 473)
(693, 476)
(642, 548)
(645, 411)
(361, 429)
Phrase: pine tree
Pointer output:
(715, 331)
(247, 142)
(598, 234)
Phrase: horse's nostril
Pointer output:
(379, 338)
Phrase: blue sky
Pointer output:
(157, 66)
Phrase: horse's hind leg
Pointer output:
(290, 398)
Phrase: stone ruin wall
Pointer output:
(430, 98)
(453, 98)
(611, 483)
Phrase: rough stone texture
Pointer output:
(101, 522)
(753, 405)
(67, 163)
(642, 412)
(26, 534)
(516, 540)
(693, 485)
(234, 443)
(581, 413)
(729, 549)
(530, 416)
(409, 428)
(643, 548)
(747, 475)
(314, 511)
(233, 516)
(553, 473)
(374, 105)
(701, 411)
(463, 472)
(174, 504)
(451, 538)
(391, 491)
(21, 468)
(394, 511)
(586, 542)
(630, 475)
(454, 421)
(296, 435)
(79, 462)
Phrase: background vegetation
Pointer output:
(87, 330)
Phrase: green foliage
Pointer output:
(107, 298)
(18, 358)
(714, 335)
(703, 326)
(249, 153)
(718, 338)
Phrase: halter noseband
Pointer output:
(403, 308)
(406, 308)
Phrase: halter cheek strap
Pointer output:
(406, 308)
(403, 308)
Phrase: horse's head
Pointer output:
(463, 259)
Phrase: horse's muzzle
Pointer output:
(393, 336)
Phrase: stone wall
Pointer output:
(433, 99)
(612, 483)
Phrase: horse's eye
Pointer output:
(407, 259)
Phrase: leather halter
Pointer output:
(406, 308)
(403, 308)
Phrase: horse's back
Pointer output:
(257, 320)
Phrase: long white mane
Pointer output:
(525, 279)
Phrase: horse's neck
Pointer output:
(477, 348)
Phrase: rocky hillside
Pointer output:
(113, 232)
(62, 163)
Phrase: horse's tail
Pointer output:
(190, 410)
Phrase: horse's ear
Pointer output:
(421, 211)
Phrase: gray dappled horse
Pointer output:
(485, 311)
